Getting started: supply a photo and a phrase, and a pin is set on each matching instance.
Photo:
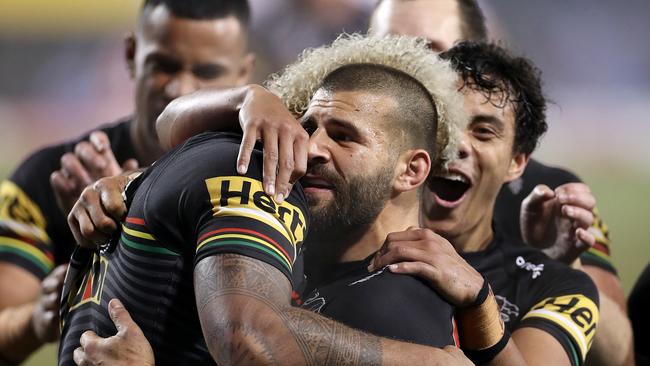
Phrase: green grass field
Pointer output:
(622, 197)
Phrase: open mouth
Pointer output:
(450, 188)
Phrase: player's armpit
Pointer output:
(246, 316)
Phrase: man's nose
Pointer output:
(319, 152)
(463, 148)
(181, 84)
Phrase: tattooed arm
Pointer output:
(247, 318)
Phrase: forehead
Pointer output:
(363, 109)
(436, 20)
(478, 104)
(204, 39)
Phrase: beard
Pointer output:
(356, 204)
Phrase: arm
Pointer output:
(247, 319)
(261, 115)
(28, 311)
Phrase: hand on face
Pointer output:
(263, 117)
(128, 347)
(557, 221)
(425, 254)
(45, 316)
(94, 217)
(90, 161)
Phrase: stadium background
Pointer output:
(61, 73)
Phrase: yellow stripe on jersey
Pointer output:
(44, 260)
(138, 234)
(16, 206)
(246, 237)
(576, 314)
(245, 197)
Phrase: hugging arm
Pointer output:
(247, 318)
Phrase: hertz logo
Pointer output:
(576, 314)
(245, 197)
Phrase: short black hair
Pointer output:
(414, 122)
(204, 9)
(493, 71)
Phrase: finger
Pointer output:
(92, 236)
(113, 203)
(73, 223)
(413, 233)
(62, 186)
(581, 199)
(121, 318)
(52, 281)
(580, 217)
(403, 253)
(79, 357)
(75, 170)
(89, 341)
(571, 188)
(92, 160)
(536, 199)
(419, 269)
(130, 164)
(100, 141)
(270, 161)
(585, 237)
(285, 169)
(245, 150)
(300, 154)
(100, 219)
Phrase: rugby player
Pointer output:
(530, 206)
(195, 229)
(178, 47)
(550, 309)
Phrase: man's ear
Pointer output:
(247, 69)
(413, 170)
(517, 166)
(129, 53)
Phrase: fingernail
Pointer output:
(270, 188)
(561, 197)
(569, 211)
(392, 267)
(279, 198)
(371, 267)
(241, 169)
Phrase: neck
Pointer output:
(475, 238)
(146, 147)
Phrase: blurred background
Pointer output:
(62, 73)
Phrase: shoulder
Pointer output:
(539, 173)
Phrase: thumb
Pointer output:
(130, 164)
(121, 318)
(536, 199)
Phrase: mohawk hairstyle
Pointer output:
(504, 78)
(204, 9)
(407, 55)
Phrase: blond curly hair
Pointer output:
(298, 82)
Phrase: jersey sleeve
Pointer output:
(25, 217)
(565, 306)
(230, 213)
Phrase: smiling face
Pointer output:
(461, 200)
(173, 56)
(351, 169)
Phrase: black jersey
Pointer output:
(189, 205)
(508, 207)
(383, 303)
(34, 232)
(638, 308)
(533, 290)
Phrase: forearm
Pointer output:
(613, 339)
(208, 109)
(17, 337)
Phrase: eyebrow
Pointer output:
(333, 122)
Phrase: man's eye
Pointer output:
(341, 137)
(483, 133)
(164, 66)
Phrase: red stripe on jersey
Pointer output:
(455, 332)
(135, 220)
(245, 231)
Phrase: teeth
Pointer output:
(454, 177)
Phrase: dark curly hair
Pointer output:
(495, 72)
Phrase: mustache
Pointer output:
(328, 174)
